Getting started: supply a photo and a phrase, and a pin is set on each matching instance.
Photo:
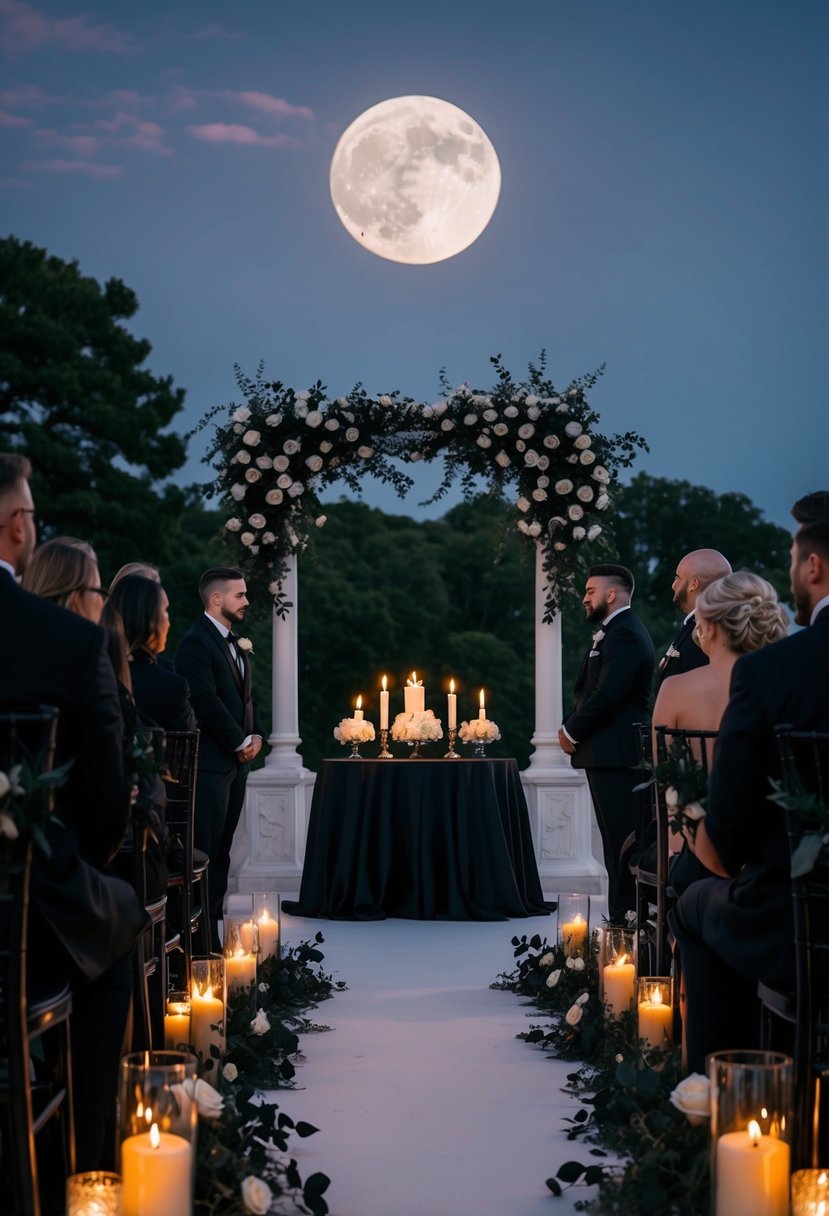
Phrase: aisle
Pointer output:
(427, 1104)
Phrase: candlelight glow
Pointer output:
(360, 701)
(451, 685)
(155, 1136)
(384, 683)
(148, 1115)
(481, 700)
(657, 1000)
(413, 680)
(754, 1132)
(620, 961)
(577, 919)
(240, 953)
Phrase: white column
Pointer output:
(566, 841)
(269, 845)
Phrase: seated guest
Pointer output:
(736, 930)
(734, 615)
(65, 571)
(142, 568)
(83, 924)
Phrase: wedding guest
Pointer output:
(811, 508)
(737, 929)
(65, 571)
(734, 615)
(142, 568)
(695, 572)
(83, 924)
(217, 666)
(612, 695)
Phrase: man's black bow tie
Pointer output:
(231, 639)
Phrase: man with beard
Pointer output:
(695, 572)
(216, 665)
(612, 694)
(734, 931)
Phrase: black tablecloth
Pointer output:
(425, 839)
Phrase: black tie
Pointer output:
(232, 640)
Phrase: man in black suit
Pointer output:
(695, 572)
(216, 665)
(83, 924)
(734, 931)
(612, 694)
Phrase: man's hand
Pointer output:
(566, 745)
(245, 754)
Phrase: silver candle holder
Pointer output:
(384, 753)
(452, 754)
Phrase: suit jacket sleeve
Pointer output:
(195, 662)
(620, 663)
(102, 795)
(184, 717)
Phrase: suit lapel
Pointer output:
(224, 650)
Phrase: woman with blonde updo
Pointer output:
(65, 571)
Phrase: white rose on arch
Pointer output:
(290, 447)
(531, 458)
(237, 492)
(564, 486)
(247, 538)
(602, 502)
(274, 497)
(543, 462)
(233, 524)
(579, 532)
(502, 459)
(251, 438)
(500, 429)
(284, 480)
(314, 463)
(582, 442)
(511, 411)
(526, 431)
(551, 441)
(573, 429)
(523, 504)
(594, 531)
(484, 441)
(490, 415)
(281, 463)
(264, 462)
(601, 474)
(241, 414)
(256, 1196)
(533, 412)
(295, 489)
(352, 434)
(584, 494)
(531, 399)
(575, 511)
(539, 495)
(587, 457)
(313, 419)
(242, 457)
(256, 520)
(325, 446)
(573, 1015)
(331, 424)
(273, 420)
(365, 452)
(534, 528)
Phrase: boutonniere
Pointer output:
(245, 645)
(670, 653)
(597, 636)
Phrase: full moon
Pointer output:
(415, 179)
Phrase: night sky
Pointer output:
(663, 207)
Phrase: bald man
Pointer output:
(695, 572)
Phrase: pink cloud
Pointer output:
(14, 120)
(233, 133)
(26, 95)
(271, 105)
(24, 28)
(91, 168)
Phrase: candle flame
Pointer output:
(754, 1132)
(620, 960)
(139, 1110)
(413, 682)
(451, 685)
(384, 683)
(481, 700)
(657, 996)
(577, 920)
(360, 701)
(240, 952)
(148, 1115)
(264, 917)
(764, 1114)
(822, 1179)
(155, 1136)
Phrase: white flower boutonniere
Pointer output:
(598, 636)
(245, 645)
(670, 653)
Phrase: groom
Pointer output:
(612, 695)
(216, 665)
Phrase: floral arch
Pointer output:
(527, 439)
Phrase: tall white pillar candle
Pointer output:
(384, 707)
(452, 712)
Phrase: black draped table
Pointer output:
(424, 839)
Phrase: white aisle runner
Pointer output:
(426, 1102)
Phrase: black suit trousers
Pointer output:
(219, 801)
(617, 810)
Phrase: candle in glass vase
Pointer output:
(247, 936)
(96, 1193)
(452, 712)
(482, 707)
(358, 712)
(810, 1193)
(656, 1019)
(206, 1022)
(618, 977)
(414, 696)
(177, 1021)
(157, 1171)
(240, 970)
(268, 935)
(752, 1174)
(573, 935)
(384, 707)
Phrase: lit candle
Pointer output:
(810, 1193)
(247, 936)
(573, 933)
(96, 1193)
(157, 1172)
(240, 970)
(414, 695)
(206, 1024)
(656, 1020)
(384, 707)
(176, 1024)
(752, 1174)
(452, 714)
(358, 712)
(482, 710)
(618, 985)
(268, 935)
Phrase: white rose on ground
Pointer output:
(247, 538)
(526, 431)
(531, 399)
(256, 1196)
(274, 497)
(500, 429)
(511, 412)
(365, 452)
(264, 462)
(331, 424)
(578, 964)
(523, 504)
(502, 459)
(547, 959)
(533, 412)
(295, 489)
(582, 442)
(241, 458)
(314, 418)
(579, 532)
(573, 429)
(314, 463)
(573, 1015)
(8, 827)
(256, 520)
(490, 415)
(535, 528)
(551, 441)
(273, 420)
(233, 525)
(447, 425)
(260, 1024)
(594, 531)
(484, 441)
(268, 538)
(352, 434)
(319, 522)
(290, 447)
(237, 492)
(251, 438)
(564, 486)
(602, 502)
(584, 494)
(587, 457)
(284, 480)
(575, 511)
(209, 1103)
(230, 1072)
(281, 463)
(601, 474)
(241, 414)
(553, 978)
(470, 419)
(693, 1097)
(539, 495)
(531, 458)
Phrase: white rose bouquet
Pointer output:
(419, 727)
(354, 730)
(479, 730)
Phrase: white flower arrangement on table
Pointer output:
(354, 730)
(419, 727)
(479, 730)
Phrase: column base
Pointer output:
(269, 846)
(567, 844)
